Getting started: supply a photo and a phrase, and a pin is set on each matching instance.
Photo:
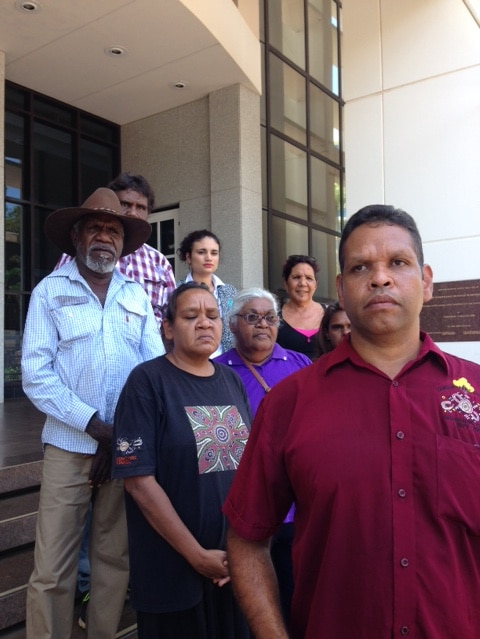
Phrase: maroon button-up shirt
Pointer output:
(385, 475)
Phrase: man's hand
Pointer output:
(212, 564)
(100, 431)
(100, 471)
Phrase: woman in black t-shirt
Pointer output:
(180, 429)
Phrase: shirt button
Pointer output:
(404, 630)
(402, 492)
(404, 562)
(395, 383)
(400, 434)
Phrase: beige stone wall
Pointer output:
(411, 81)
(205, 158)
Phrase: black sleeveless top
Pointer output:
(290, 338)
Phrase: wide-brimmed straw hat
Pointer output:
(59, 224)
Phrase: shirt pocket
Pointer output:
(458, 477)
(73, 321)
(134, 315)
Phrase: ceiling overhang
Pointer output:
(124, 60)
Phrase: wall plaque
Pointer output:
(453, 314)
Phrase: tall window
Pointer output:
(302, 155)
(55, 156)
(164, 238)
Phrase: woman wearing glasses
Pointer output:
(301, 315)
(261, 363)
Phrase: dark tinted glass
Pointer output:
(15, 172)
(52, 111)
(103, 131)
(15, 98)
(53, 169)
(97, 164)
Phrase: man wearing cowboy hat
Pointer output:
(87, 327)
(146, 265)
(153, 271)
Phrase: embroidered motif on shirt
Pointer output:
(220, 434)
(127, 448)
(461, 405)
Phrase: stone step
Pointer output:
(19, 496)
(19, 503)
(18, 632)
(128, 628)
(19, 477)
(18, 519)
(15, 569)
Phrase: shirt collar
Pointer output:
(70, 270)
(215, 279)
(234, 359)
(345, 351)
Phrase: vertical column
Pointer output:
(235, 182)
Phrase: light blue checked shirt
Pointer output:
(77, 355)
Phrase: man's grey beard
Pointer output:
(99, 264)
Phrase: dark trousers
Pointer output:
(217, 616)
(281, 552)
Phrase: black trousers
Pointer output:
(217, 616)
(281, 553)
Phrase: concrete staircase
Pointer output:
(19, 494)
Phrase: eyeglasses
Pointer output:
(254, 318)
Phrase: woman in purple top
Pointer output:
(261, 363)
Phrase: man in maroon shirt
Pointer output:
(378, 444)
